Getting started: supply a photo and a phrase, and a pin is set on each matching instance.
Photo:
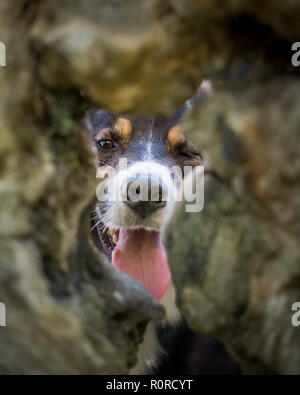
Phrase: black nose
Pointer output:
(145, 195)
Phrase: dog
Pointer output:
(137, 198)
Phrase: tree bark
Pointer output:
(236, 264)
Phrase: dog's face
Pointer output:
(143, 152)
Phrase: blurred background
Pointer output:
(236, 265)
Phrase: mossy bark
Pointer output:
(235, 265)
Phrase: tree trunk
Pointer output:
(236, 264)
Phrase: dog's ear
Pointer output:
(203, 92)
(93, 121)
(97, 119)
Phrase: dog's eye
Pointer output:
(190, 154)
(105, 143)
(188, 151)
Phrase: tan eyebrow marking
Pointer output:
(124, 127)
(175, 136)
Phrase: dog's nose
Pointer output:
(145, 194)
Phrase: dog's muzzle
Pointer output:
(144, 194)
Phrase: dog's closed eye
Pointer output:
(186, 149)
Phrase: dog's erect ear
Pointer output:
(203, 92)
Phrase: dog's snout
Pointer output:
(145, 194)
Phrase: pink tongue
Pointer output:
(141, 254)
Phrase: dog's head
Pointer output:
(138, 158)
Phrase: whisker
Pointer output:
(96, 224)
(103, 228)
(93, 218)
(101, 219)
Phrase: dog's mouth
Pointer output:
(138, 252)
